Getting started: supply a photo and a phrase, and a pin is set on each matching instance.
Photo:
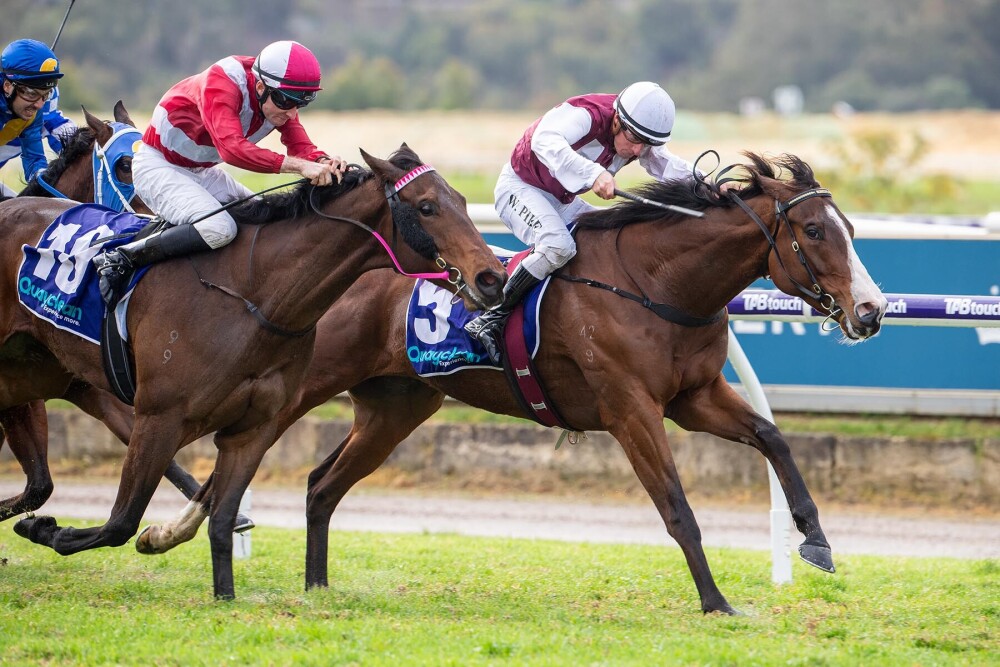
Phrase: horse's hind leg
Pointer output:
(719, 410)
(386, 410)
(26, 428)
(639, 429)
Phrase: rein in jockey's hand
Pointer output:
(317, 173)
(604, 185)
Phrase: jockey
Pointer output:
(29, 70)
(575, 147)
(215, 117)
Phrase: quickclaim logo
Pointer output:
(52, 302)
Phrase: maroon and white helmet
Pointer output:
(289, 67)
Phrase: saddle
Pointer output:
(116, 353)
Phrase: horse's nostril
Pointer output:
(490, 283)
(868, 313)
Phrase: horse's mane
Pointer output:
(75, 146)
(700, 195)
(295, 202)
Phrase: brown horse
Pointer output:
(609, 364)
(71, 175)
(203, 362)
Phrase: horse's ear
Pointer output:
(121, 115)
(101, 130)
(387, 171)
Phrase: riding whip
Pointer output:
(63, 25)
(665, 207)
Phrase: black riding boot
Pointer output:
(487, 327)
(117, 266)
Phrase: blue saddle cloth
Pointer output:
(436, 342)
(57, 281)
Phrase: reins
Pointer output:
(449, 273)
(677, 316)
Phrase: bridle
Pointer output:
(825, 299)
(108, 190)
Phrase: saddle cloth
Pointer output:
(56, 280)
(436, 342)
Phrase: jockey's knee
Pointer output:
(217, 231)
(547, 258)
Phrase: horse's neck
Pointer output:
(698, 266)
(303, 266)
(76, 181)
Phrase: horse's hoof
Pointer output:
(143, 543)
(727, 610)
(820, 557)
(243, 523)
(37, 529)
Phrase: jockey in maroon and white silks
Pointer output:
(216, 117)
(577, 146)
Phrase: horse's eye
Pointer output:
(427, 208)
(125, 166)
(814, 232)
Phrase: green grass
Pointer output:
(450, 600)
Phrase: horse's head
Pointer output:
(813, 255)
(431, 217)
(116, 143)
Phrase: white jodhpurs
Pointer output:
(537, 219)
(181, 195)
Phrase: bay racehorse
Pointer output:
(609, 363)
(72, 175)
(78, 175)
(221, 341)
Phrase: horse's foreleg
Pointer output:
(27, 433)
(640, 432)
(153, 444)
(719, 410)
(383, 417)
(239, 457)
(118, 417)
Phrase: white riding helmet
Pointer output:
(646, 110)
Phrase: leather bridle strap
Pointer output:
(780, 210)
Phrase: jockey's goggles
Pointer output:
(32, 95)
(634, 138)
(288, 99)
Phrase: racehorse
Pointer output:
(221, 342)
(609, 363)
(70, 176)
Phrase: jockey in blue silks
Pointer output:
(29, 71)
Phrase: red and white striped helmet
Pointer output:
(288, 65)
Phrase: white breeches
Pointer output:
(181, 195)
(538, 219)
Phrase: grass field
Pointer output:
(449, 600)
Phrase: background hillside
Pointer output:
(894, 55)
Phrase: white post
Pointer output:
(781, 517)
(241, 541)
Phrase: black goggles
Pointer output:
(285, 100)
(634, 138)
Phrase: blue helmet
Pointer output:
(30, 63)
